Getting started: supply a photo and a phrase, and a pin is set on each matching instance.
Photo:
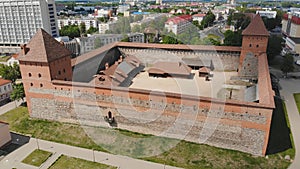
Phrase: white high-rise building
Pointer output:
(20, 19)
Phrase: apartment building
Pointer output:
(92, 42)
(291, 31)
(77, 21)
(20, 19)
(178, 24)
(103, 27)
(5, 90)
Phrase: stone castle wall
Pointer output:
(228, 61)
(236, 127)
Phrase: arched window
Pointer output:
(257, 46)
(39, 75)
(31, 84)
(109, 114)
(41, 85)
(29, 74)
(250, 45)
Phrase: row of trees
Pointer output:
(76, 31)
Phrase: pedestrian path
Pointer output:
(122, 162)
(289, 87)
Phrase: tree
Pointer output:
(97, 43)
(233, 38)
(170, 38)
(103, 19)
(10, 72)
(18, 92)
(92, 30)
(288, 64)
(274, 47)
(136, 28)
(70, 30)
(208, 19)
(125, 38)
(82, 28)
(138, 18)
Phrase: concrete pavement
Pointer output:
(122, 162)
(289, 87)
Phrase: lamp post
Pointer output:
(93, 155)
(37, 143)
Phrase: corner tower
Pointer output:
(255, 42)
(42, 60)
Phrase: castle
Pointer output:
(217, 95)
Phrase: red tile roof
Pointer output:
(43, 48)
(199, 15)
(178, 19)
(204, 70)
(256, 27)
(4, 81)
(172, 68)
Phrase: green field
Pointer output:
(171, 151)
(76, 163)
(37, 157)
(297, 100)
(4, 58)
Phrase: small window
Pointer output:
(29, 74)
(41, 85)
(64, 70)
(59, 73)
(39, 75)
(257, 46)
(250, 45)
(31, 84)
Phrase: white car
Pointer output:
(297, 62)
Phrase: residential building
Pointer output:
(291, 31)
(5, 90)
(13, 60)
(88, 44)
(5, 136)
(267, 14)
(77, 21)
(178, 24)
(103, 27)
(198, 17)
(123, 8)
(20, 19)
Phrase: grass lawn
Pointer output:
(183, 154)
(297, 100)
(37, 157)
(75, 163)
(4, 58)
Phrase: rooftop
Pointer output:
(256, 27)
(4, 81)
(178, 19)
(42, 47)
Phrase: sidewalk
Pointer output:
(289, 87)
(14, 159)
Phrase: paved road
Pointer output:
(14, 159)
(9, 106)
(290, 86)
